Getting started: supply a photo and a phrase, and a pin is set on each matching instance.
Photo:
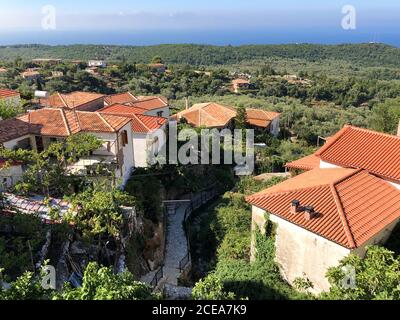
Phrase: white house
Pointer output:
(37, 129)
(348, 198)
(97, 63)
(148, 131)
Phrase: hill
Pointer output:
(358, 54)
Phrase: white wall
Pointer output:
(327, 165)
(140, 149)
(10, 176)
(11, 144)
(165, 111)
(274, 126)
(303, 254)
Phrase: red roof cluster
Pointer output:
(352, 205)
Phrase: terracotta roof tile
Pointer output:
(71, 100)
(352, 205)
(216, 115)
(149, 103)
(6, 93)
(307, 163)
(122, 109)
(354, 147)
(121, 98)
(140, 123)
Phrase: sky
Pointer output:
(205, 21)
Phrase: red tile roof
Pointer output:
(140, 123)
(354, 147)
(216, 115)
(122, 109)
(7, 93)
(240, 81)
(71, 100)
(151, 103)
(352, 205)
(59, 123)
(307, 163)
(260, 118)
(121, 98)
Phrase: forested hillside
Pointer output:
(360, 54)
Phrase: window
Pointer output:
(159, 114)
(124, 138)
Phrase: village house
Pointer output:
(31, 75)
(78, 101)
(214, 115)
(240, 84)
(347, 198)
(157, 67)
(97, 63)
(148, 132)
(38, 129)
(10, 97)
(3, 70)
(43, 61)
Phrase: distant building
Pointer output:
(31, 75)
(47, 61)
(214, 115)
(3, 70)
(240, 84)
(158, 67)
(97, 63)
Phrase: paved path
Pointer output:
(176, 249)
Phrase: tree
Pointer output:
(97, 211)
(377, 277)
(9, 110)
(241, 118)
(100, 283)
(211, 288)
(386, 116)
(157, 59)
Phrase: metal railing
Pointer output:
(205, 196)
(157, 277)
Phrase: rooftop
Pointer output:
(6, 93)
(59, 123)
(353, 205)
(140, 123)
(353, 147)
(71, 100)
(121, 98)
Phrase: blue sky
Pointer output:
(271, 17)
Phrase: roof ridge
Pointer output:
(260, 194)
(62, 100)
(65, 121)
(144, 125)
(331, 141)
(388, 135)
(105, 121)
(342, 216)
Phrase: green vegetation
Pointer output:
(377, 277)
(224, 241)
(99, 283)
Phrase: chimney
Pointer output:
(398, 130)
(295, 207)
(309, 213)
